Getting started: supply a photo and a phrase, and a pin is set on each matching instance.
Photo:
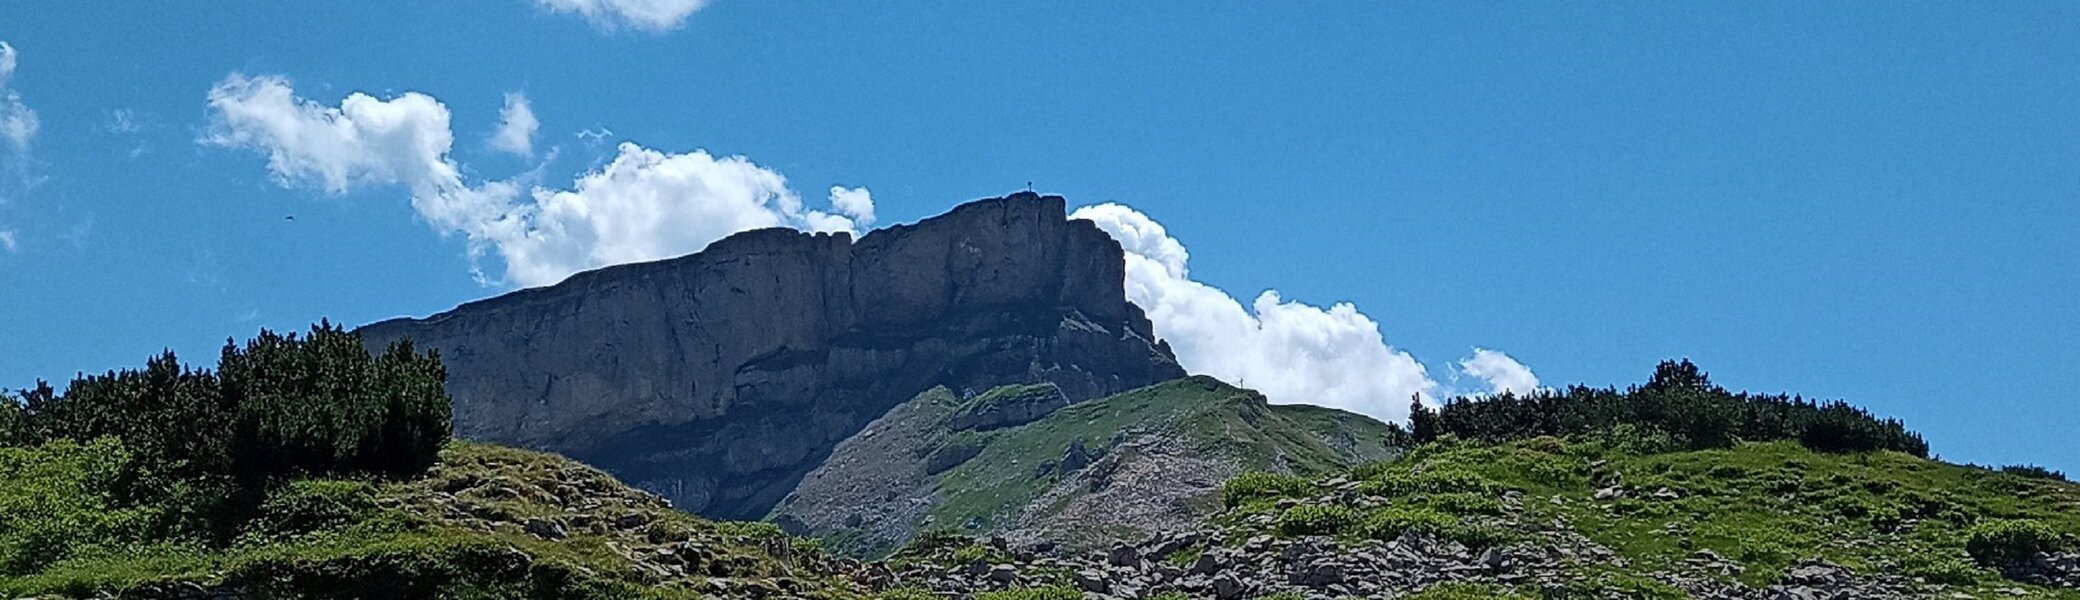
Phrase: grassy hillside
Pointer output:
(1587, 517)
(303, 467)
(1155, 454)
(1743, 514)
(484, 522)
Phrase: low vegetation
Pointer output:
(304, 467)
(1764, 506)
(1210, 417)
(1678, 409)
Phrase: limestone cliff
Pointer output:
(719, 378)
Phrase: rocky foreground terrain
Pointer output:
(1459, 522)
(1375, 535)
(1549, 563)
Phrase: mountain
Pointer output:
(303, 467)
(720, 378)
(1539, 518)
(1018, 461)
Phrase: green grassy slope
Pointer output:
(1762, 506)
(486, 522)
(1216, 420)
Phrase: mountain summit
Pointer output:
(718, 379)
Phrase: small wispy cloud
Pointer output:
(18, 123)
(77, 234)
(516, 127)
(130, 125)
(652, 16)
(594, 136)
(18, 126)
(123, 120)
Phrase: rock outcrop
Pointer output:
(1083, 476)
(1008, 406)
(718, 379)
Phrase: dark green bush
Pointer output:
(2035, 472)
(2010, 542)
(14, 426)
(280, 405)
(309, 505)
(1440, 480)
(1465, 591)
(208, 444)
(58, 498)
(1948, 570)
(322, 405)
(1389, 523)
(1317, 519)
(1679, 402)
(1043, 593)
(1546, 444)
(1259, 485)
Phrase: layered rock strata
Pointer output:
(719, 378)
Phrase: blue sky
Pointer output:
(1873, 205)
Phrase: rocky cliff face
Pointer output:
(719, 378)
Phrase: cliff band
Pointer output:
(718, 379)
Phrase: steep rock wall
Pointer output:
(719, 378)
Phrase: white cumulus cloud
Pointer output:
(855, 203)
(516, 126)
(363, 140)
(1499, 372)
(18, 123)
(647, 205)
(654, 16)
(1293, 352)
(643, 205)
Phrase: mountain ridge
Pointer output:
(719, 378)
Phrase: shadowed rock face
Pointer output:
(718, 379)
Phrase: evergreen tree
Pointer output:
(210, 442)
(1680, 402)
(14, 425)
(1422, 422)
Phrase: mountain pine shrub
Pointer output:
(207, 444)
(1318, 519)
(1040, 593)
(2010, 542)
(59, 496)
(1678, 409)
(1259, 485)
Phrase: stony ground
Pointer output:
(1245, 557)
(1556, 562)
